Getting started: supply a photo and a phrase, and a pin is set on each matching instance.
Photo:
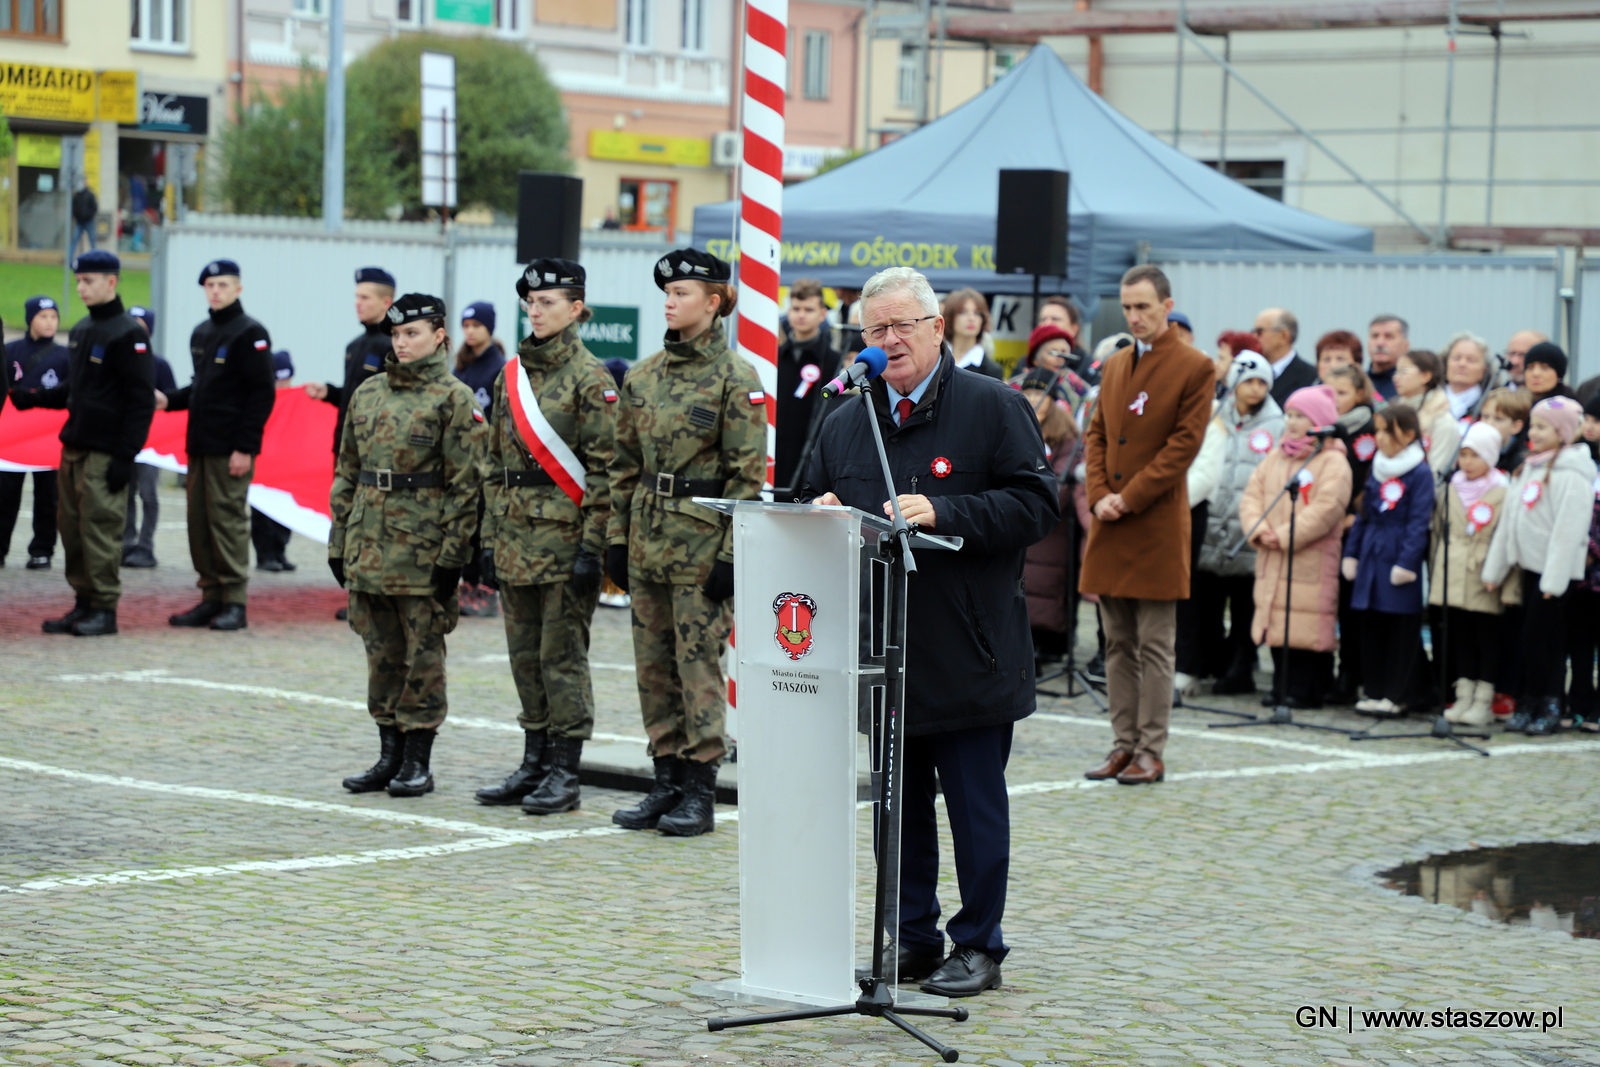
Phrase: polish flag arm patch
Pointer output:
(140, 346)
(757, 396)
(608, 395)
(477, 414)
(261, 345)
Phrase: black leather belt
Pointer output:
(677, 485)
(387, 480)
(537, 476)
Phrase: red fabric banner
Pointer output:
(293, 473)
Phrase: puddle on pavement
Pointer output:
(1551, 886)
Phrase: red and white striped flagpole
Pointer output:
(761, 195)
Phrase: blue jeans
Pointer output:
(80, 230)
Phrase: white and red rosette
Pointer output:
(1391, 493)
(1366, 446)
(1532, 492)
(1479, 515)
(1261, 442)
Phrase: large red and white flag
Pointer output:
(293, 473)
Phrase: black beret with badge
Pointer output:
(217, 268)
(411, 308)
(544, 274)
(97, 261)
(375, 275)
(690, 264)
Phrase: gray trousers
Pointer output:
(142, 489)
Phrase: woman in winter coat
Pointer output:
(1048, 569)
(1303, 669)
(1252, 425)
(1546, 533)
(1383, 556)
(1352, 393)
(1464, 519)
(1419, 382)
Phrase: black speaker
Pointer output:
(1030, 229)
(549, 215)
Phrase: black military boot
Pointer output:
(64, 624)
(96, 622)
(231, 617)
(662, 798)
(378, 775)
(692, 816)
(414, 778)
(559, 790)
(199, 615)
(1546, 718)
(525, 779)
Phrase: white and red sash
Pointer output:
(539, 437)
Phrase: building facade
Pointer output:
(137, 97)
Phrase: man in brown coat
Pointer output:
(1155, 400)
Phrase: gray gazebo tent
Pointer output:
(928, 199)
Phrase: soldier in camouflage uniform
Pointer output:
(404, 501)
(692, 422)
(544, 530)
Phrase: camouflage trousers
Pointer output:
(90, 517)
(219, 529)
(678, 640)
(547, 633)
(404, 636)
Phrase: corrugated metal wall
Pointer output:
(298, 279)
(1493, 296)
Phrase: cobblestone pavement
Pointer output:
(183, 881)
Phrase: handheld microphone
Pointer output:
(870, 362)
(1323, 431)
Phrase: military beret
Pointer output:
(480, 311)
(146, 316)
(550, 274)
(375, 274)
(282, 365)
(97, 261)
(217, 268)
(412, 307)
(684, 264)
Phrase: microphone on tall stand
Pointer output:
(869, 363)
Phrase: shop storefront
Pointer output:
(159, 162)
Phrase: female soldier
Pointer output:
(544, 530)
(404, 502)
(478, 363)
(692, 422)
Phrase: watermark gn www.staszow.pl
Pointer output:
(1344, 1017)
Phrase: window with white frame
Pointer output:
(818, 65)
(908, 84)
(314, 8)
(160, 23)
(408, 12)
(694, 25)
(508, 16)
(640, 28)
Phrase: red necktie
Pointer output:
(903, 406)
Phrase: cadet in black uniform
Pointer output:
(110, 396)
(478, 363)
(35, 361)
(139, 535)
(363, 357)
(228, 404)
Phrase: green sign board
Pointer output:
(611, 332)
(477, 12)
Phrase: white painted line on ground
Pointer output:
(505, 657)
(1209, 735)
(162, 677)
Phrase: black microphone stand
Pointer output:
(1281, 715)
(1442, 727)
(876, 998)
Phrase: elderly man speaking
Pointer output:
(967, 461)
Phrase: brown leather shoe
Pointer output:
(1144, 770)
(1113, 765)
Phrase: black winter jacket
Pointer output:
(33, 363)
(363, 358)
(110, 392)
(796, 412)
(233, 388)
(970, 651)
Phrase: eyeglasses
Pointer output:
(903, 328)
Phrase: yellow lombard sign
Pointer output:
(68, 94)
(28, 90)
(644, 148)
